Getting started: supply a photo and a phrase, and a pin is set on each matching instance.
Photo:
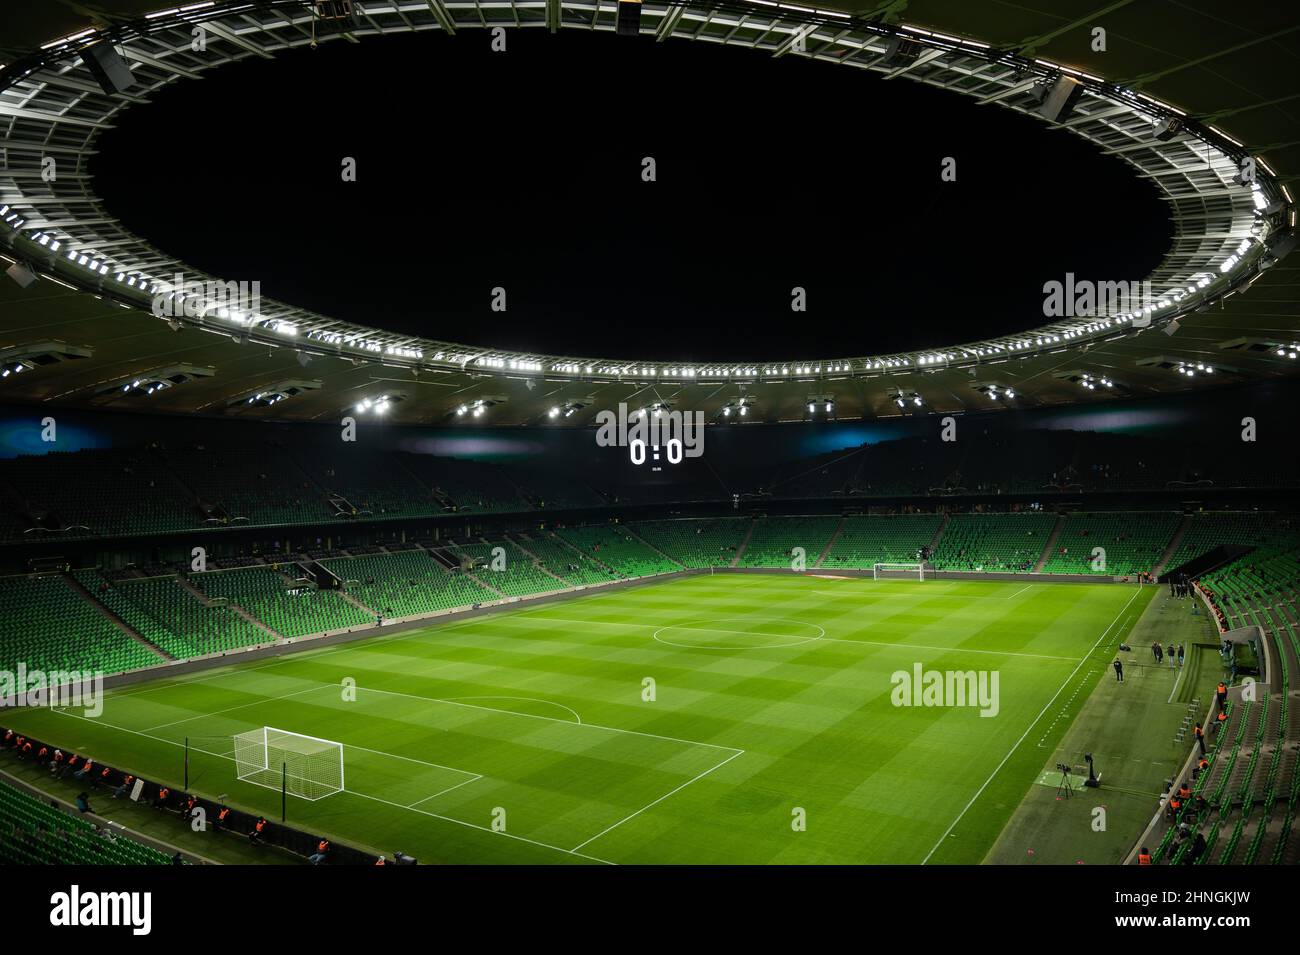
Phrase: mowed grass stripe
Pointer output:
(814, 721)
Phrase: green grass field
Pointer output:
(771, 694)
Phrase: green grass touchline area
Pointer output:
(1131, 729)
(712, 719)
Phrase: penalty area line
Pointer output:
(656, 802)
(361, 795)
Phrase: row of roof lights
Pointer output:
(147, 385)
(1231, 261)
(1258, 197)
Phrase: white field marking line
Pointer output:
(798, 641)
(869, 643)
(1016, 745)
(473, 779)
(550, 719)
(423, 812)
(863, 591)
(922, 646)
(656, 802)
(471, 825)
(152, 685)
(229, 709)
(591, 623)
(1174, 688)
(530, 699)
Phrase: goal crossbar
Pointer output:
(897, 571)
(305, 766)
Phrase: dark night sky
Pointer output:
(522, 169)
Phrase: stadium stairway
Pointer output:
(1174, 543)
(740, 551)
(342, 592)
(207, 601)
(537, 561)
(1048, 548)
(113, 618)
(839, 529)
(634, 534)
(938, 532)
(484, 583)
(583, 554)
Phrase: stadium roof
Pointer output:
(1182, 92)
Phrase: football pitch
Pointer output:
(728, 718)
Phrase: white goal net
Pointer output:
(307, 767)
(886, 571)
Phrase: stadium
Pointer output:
(513, 433)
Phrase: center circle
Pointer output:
(738, 633)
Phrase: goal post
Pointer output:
(895, 571)
(305, 766)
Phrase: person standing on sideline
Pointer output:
(1200, 739)
(1181, 649)
(1173, 655)
(1119, 671)
(1158, 652)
